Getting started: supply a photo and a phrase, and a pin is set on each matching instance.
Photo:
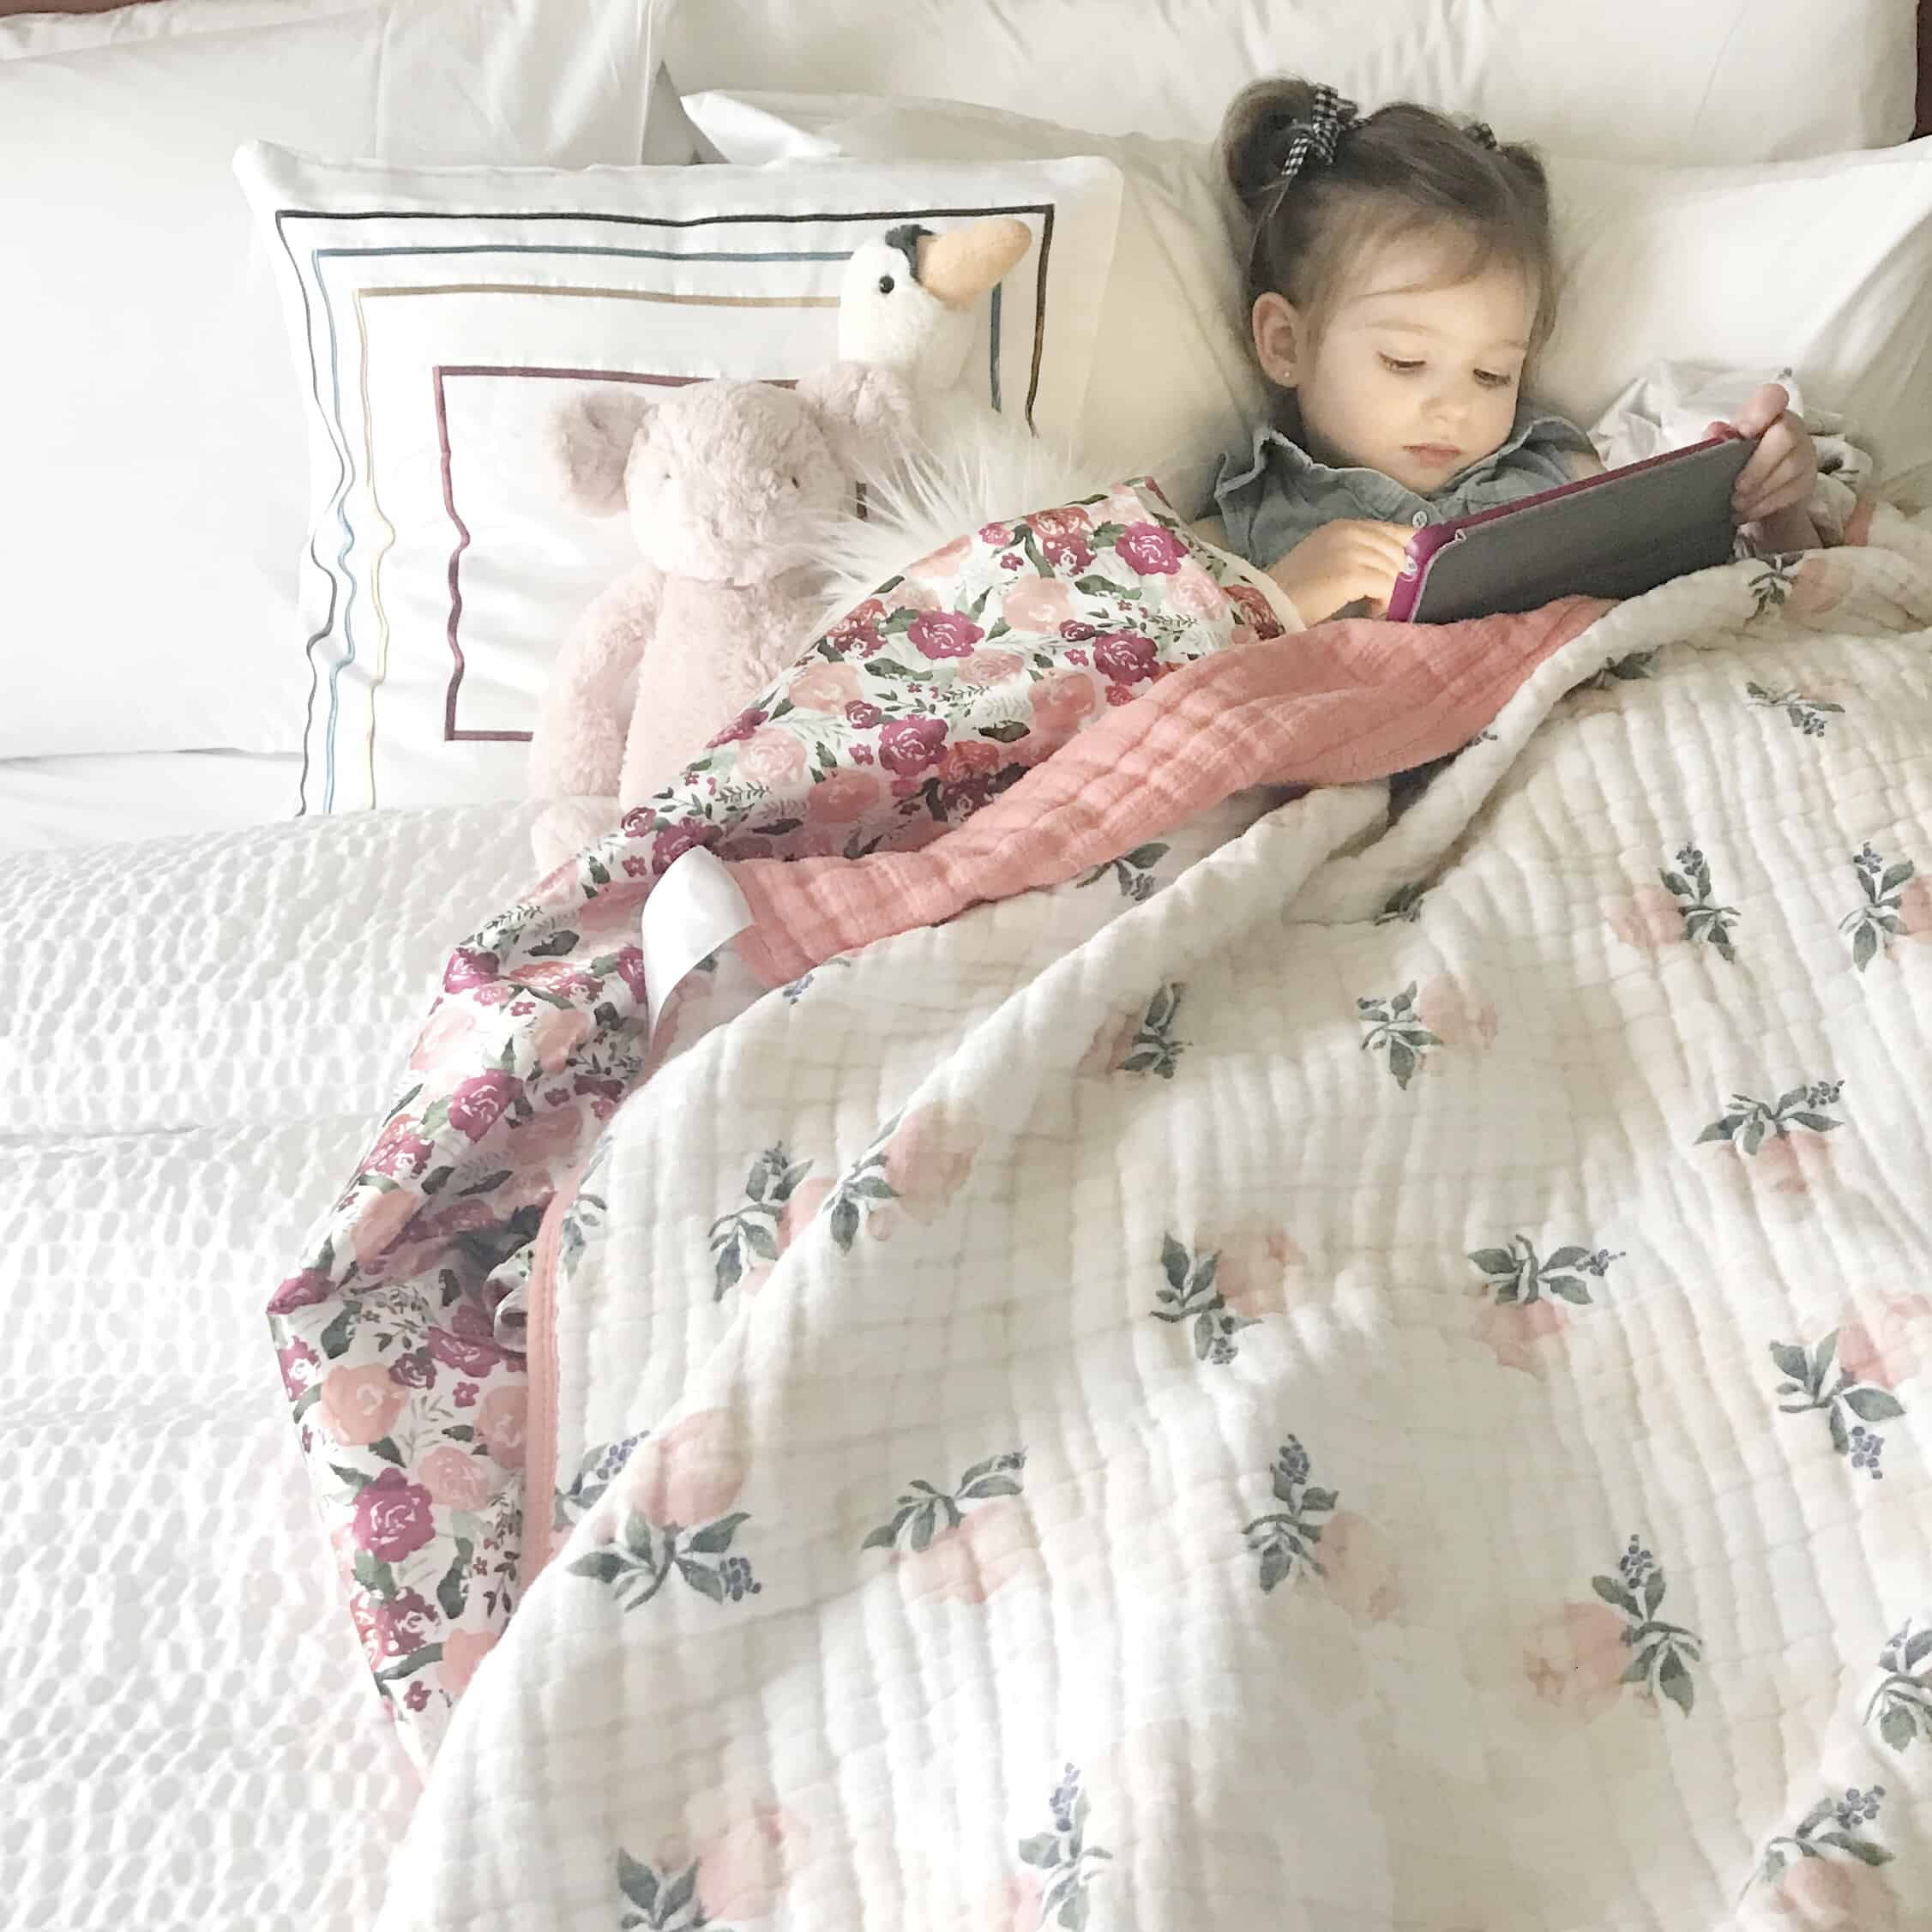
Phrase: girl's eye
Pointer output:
(1400, 368)
(1490, 380)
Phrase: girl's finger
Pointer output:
(1748, 501)
(1788, 495)
(1790, 482)
(1773, 450)
(1764, 408)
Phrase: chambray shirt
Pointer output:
(1277, 494)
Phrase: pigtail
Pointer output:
(1256, 134)
(1528, 164)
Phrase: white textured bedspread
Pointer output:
(194, 1035)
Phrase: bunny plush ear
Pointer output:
(866, 413)
(590, 445)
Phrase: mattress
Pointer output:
(198, 1032)
(106, 799)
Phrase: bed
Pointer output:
(1070, 1493)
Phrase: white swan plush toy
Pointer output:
(908, 302)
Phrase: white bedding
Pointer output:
(196, 1034)
(107, 799)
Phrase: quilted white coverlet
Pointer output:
(196, 1036)
(1332, 1376)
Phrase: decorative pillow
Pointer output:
(439, 318)
(1823, 266)
(153, 490)
(1174, 382)
(1632, 80)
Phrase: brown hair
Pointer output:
(1401, 172)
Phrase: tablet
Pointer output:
(1615, 535)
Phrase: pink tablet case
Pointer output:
(1615, 535)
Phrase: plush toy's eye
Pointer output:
(793, 481)
(886, 285)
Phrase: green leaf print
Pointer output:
(636, 1567)
(661, 1903)
(1770, 587)
(1519, 1276)
(926, 1511)
(1872, 925)
(1807, 716)
(1631, 670)
(751, 1232)
(1749, 1123)
(1394, 1029)
(1191, 1297)
(1815, 1382)
(1832, 1825)
(1284, 1541)
(1661, 1652)
(1064, 1854)
(1902, 1704)
(1705, 920)
(1134, 872)
(1155, 1047)
(1404, 904)
(861, 1187)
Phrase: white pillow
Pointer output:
(440, 316)
(1824, 266)
(154, 485)
(1174, 383)
(1636, 79)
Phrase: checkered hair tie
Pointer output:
(1314, 137)
(1483, 135)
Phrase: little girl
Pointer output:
(1401, 279)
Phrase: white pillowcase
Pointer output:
(154, 487)
(440, 316)
(1174, 383)
(1636, 80)
(1824, 266)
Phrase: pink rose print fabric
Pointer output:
(923, 704)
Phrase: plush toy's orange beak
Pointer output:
(958, 267)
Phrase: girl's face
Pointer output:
(1414, 380)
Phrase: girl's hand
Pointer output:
(1341, 562)
(1783, 467)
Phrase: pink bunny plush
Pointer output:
(723, 483)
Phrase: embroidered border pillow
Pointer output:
(439, 315)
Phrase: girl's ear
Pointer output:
(1277, 338)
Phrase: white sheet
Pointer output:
(106, 800)
(1629, 80)
(196, 1035)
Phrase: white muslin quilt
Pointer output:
(1351, 1369)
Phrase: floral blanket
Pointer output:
(1332, 1370)
(399, 1338)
